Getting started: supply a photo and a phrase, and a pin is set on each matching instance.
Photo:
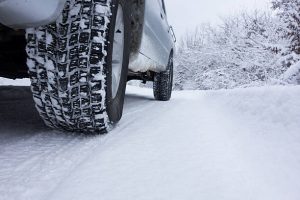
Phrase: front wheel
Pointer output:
(163, 83)
(78, 65)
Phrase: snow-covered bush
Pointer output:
(244, 50)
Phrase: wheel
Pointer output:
(78, 65)
(163, 82)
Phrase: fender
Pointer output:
(156, 41)
(20, 14)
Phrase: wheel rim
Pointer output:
(118, 50)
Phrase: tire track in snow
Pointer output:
(34, 162)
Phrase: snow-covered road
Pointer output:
(239, 144)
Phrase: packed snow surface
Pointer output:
(241, 144)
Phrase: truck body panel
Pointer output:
(20, 14)
(155, 39)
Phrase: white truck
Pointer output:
(81, 53)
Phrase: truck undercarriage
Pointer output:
(12, 53)
(13, 43)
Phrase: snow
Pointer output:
(292, 75)
(99, 8)
(18, 82)
(49, 39)
(75, 10)
(227, 144)
(49, 65)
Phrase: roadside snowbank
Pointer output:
(275, 105)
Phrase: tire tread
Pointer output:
(163, 81)
(67, 66)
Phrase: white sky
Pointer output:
(185, 15)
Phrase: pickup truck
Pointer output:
(79, 55)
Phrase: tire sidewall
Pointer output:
(171, 72)
(114, 106)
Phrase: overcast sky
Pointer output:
(185, 15)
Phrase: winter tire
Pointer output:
(163, 82)
(78, 65)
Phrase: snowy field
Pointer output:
(241, 144)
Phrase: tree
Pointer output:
(289, 14)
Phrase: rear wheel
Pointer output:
(78, 65)
(163, 83)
